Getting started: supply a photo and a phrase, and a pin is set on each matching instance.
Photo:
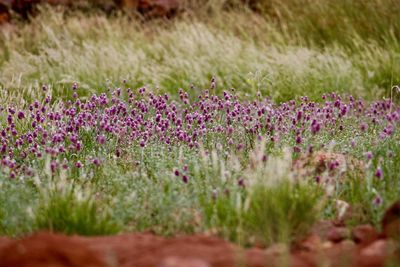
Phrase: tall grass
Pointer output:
(73, 212)
(272, 206)
(280, 59)
(320, 22)
(324, 22)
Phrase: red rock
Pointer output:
(146, 249)
(7, 2)
(376, 249)
(151, 7)
(338, 234)
(379, 253)
(347, 244)
(277, 249)
(129, 4)
(321, 228)
(364, 234)
(24, 7)
(312, 243)
(46, 249)
(340, 254)
(256, 257)
(4, 242)
(4, 13)
(391, 221)
(27, 7)
(182, 262)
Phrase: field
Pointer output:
(251, 123)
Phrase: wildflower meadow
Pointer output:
(239, 121)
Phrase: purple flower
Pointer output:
(21, 115)
(377, 201)
(53, 166)
(315, 127)
(241, 182)
(96, 162)
(264, 158)
(64, 164)
(363, 127)
(78, 164)
(29, 172)
(213, 83)
(378, 173)
(240, 146)
(298, 139)
(185, 179)
(333, 165)
(296, 149)
(353, 143)
(101, 139)
(142, 143)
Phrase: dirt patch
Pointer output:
(4, 241)
(144, 249)
(46, 249)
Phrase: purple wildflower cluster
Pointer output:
(185, 177)
(124, 118)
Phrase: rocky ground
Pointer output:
(329, 243)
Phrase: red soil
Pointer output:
(329, 244)
(56, 250)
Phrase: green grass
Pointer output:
(266, 215)
(73, 211)
(16, 201)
